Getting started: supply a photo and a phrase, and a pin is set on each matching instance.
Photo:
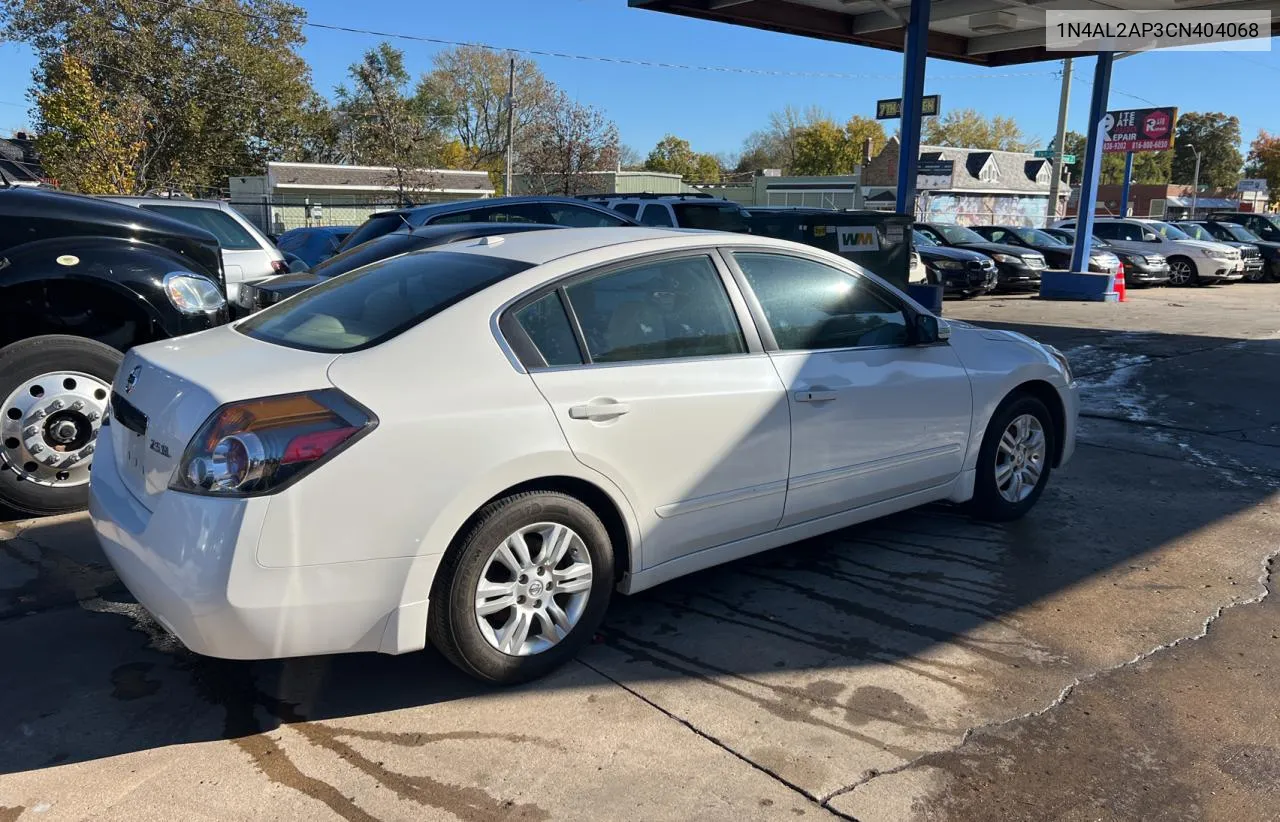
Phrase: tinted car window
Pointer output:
(811, 306)
(373, 227)
(629, 209)
(547, 325)
(1107, 231)
(656, 311)
(578, 217)
(517, 213)
(655, 214)
(231, 235)
(1263, 227)
(996, 235)
(719, 217)
(377, 302)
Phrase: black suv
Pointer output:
(562, 211)
(1266, 226)
(81, 281)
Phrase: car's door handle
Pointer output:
(598, 410)
(815, 395)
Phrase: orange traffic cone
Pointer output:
(1119, 286)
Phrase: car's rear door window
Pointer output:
(657, 310)
(547, 325)
(377, 302)
(656, 214)
(573, 216)
(231, 235)
(627, 209)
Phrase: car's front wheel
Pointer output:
(1015, 461)
(524, 589)
(1182, 271)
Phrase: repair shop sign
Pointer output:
(1139, 129)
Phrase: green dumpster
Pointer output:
(879, 241)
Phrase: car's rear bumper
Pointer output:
(192, 564)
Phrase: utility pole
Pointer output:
(1059, 143)
(1195, 183)
(511, 120)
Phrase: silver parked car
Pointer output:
(1191, 262)
(247, 254)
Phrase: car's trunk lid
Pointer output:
(165, 391)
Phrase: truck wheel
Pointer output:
(53, 394)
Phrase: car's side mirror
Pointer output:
(1150, 237)
(931, 330)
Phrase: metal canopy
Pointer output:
(981, 32)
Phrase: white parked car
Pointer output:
(474, 445)
(247, 254)
(1191, 262)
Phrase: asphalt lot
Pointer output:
(1113, 656)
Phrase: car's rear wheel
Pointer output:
(53, 395)
(1182, 271)
(1257, 275)
(523, 589)
(1015, 461)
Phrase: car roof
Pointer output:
(172, 201)
(326, 229)
(539, 247)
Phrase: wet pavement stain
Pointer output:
(129, 681)
(789, 704)
(870, 703)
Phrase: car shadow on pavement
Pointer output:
(867, 636)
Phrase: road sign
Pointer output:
(892, 109)
(1047, 154)
(1139, 129)
(934, 174)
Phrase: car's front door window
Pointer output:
(811, 306)
(657, 215)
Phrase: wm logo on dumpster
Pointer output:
(857, 238)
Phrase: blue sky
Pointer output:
(716, 110)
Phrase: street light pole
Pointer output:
(511, 120)
(1059, 147)
(1195, 183)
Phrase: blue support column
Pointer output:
(1092, 163)
(913, 57)
(1124, 186)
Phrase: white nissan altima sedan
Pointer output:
(475, 445)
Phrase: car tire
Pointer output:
(24, 365)
(992, 499)
(1183, 272)
(454, 622)
(1258, 276)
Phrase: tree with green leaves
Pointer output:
(384, 125)
(967, 128)
(1264, 161)
(1217, 137)
(673, 155)
(472, 82)
(218, 84)
(824, 147)
(1149, 167)
(775, 145)
(85, 144)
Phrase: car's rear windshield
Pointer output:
(714, 217)
(231, 235)
(375, 226)
(375, 303)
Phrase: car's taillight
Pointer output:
(259, 446)
(280, 266)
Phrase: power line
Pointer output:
(630, 61)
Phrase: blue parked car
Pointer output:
(313, 245)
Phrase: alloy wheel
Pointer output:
(1180, 272)
(533, 589)
(1020, 458)
(49, 427)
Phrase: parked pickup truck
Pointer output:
(81, 281)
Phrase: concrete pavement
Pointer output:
(1111, 656)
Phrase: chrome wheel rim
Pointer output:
(1020, 458)
(1180, 273)
(49, 427)
(533, 589)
